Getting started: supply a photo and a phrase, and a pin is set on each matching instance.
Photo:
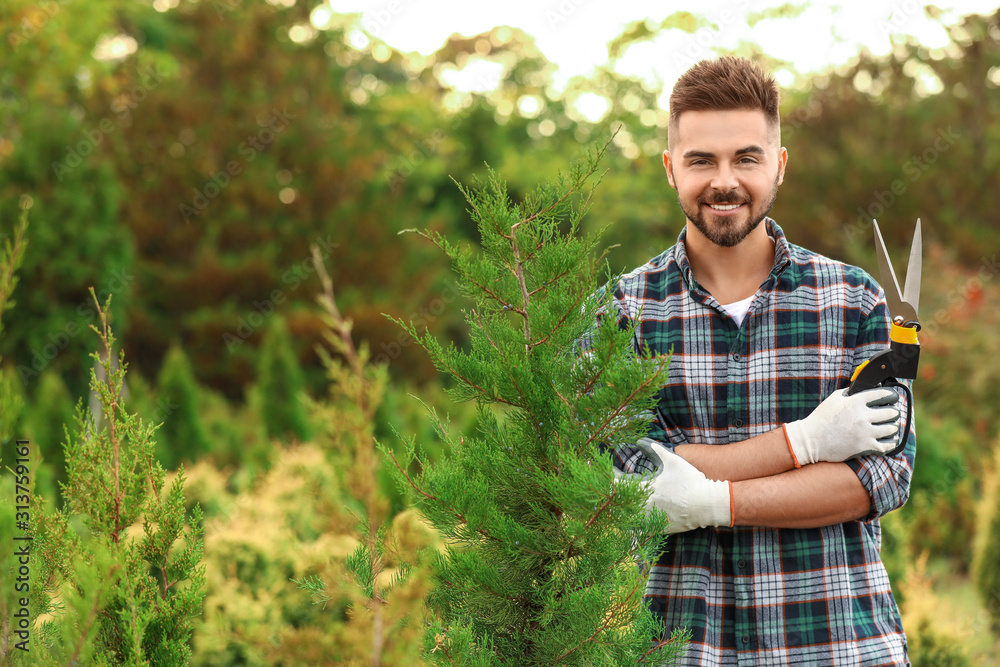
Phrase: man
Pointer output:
(772, 477)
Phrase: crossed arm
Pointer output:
(769, 491)
(794, 476)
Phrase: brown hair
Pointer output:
(725, 84)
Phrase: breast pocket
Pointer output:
(806, 375)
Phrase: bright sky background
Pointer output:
(574, 34)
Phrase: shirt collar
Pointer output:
(782, 252)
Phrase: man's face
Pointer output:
(726, 168)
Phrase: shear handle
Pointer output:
(905, 433)
(872, 373)
(879, 371)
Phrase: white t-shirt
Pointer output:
(738, 309)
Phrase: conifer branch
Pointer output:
(455, 513)
(342, 327)
(112, 388)
(94, 610)
(461, 188)
(13, 255)
(519, 272)
(548, 283)
(623, 404)
(589, 386)
(134, 626)
(518, 599)
(560, 323)
(657, 646)
(481, 390)
(507, 305)
(623, 604)
(576, 185)
(488, 337)
(163, 571)
(409, 479)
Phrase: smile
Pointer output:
(724, 207)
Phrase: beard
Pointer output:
(727, 231)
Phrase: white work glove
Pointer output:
(689, 499)
(842, 427)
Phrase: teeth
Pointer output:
(725, 207)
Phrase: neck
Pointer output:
(730, 274)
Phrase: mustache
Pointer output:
(725, 198)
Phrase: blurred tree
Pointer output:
(932, 639)
(986, 549)
(892, 133)
(182, 436)
(271, 137)
(52, 147)
(281, 386)
(51, 412)
(78, 242)
(385, 604)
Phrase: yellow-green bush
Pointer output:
(287, 525)
(986, 558)
(291, 524)
(934, 639)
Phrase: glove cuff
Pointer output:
(732, 505)
(791, 450)
(723, 509)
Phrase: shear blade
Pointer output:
(911, 290)
(893, 296)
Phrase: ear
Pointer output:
(782, 161)
(667, 166)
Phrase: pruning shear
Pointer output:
(886, 368)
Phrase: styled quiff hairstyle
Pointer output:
(726, 84)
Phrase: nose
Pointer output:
(724, 178)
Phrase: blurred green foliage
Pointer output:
(281, 383)
(987, 546)
(51, 411)
(182, 437)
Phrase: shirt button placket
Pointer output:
(744, 626)
(737, 374)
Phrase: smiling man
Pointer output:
(772, 477)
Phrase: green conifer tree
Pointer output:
(541, 567)
(281, 385)
(182, 436)
(128, 591)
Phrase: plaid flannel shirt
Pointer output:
(765, 596)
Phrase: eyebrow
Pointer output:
(753, 148)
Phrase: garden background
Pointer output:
(185, 155)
